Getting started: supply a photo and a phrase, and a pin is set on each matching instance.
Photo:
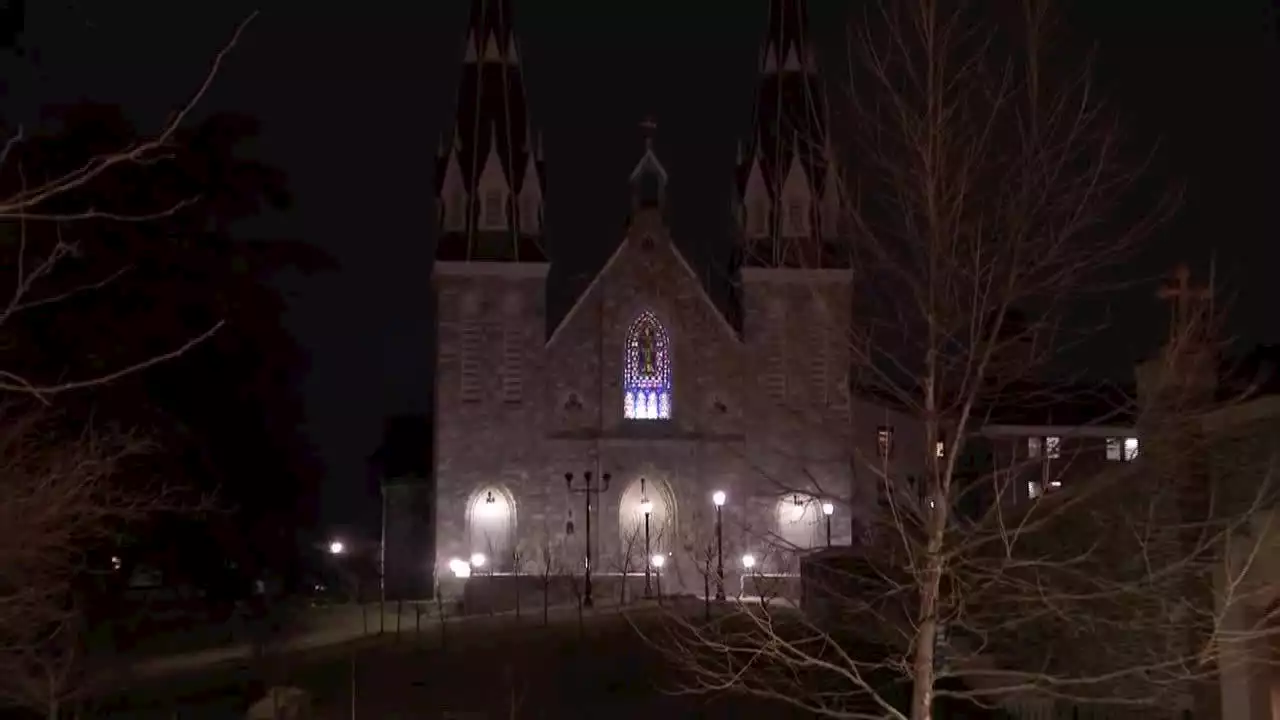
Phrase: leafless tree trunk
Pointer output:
(625, 561)
(61, 493)
(549, 566)
(993, 193)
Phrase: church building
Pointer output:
(646, 396)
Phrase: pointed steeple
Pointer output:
(783, 175)
(490, 176)
(648, 178)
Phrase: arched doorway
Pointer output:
(491, 525)
(631, 520)
(799, 522)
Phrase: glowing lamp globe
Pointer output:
(748, 561)
(336, 547)
(718, 498)
(460, 568)
(828, 508)
(646, 506)
(659, 560)
(478, 560)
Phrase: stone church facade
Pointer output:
(645, 379)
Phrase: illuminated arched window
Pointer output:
(646, 379)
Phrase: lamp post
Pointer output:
(718, 498)
(587, 489)
(646, 507)
(828, 509)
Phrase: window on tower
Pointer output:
(796, 224)
(455, 211)
(646, 381)
(495, 215)
(758, 218)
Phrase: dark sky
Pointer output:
(353, 96)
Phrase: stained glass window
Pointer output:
(646, 381)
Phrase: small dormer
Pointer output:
(756, 203)
(832, 207)
(493, 188)
(453, 194)
(530, 200)
(797, 200)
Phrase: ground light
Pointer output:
(460, 568)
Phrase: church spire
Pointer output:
(489, 177)
(649, 178)
(785, 203)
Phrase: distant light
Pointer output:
(337, 548)
(646, 506)
(718, 498)
(478, 560)
(748, 561)
(659, 561)
(116, 562)
(828, 508)
(460, 568)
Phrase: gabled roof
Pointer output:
(653, 220)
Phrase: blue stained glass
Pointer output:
(647, 371)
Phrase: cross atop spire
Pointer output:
(649, 177)
(650, 127)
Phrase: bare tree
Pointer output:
(63, 496)
(549, 569)
(625, 560)
(993, 193)
(40, 202)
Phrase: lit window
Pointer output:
(1113, 449)
(939, 449)
(1033, 447)
(1052, 447)
(1033, 489)
(1130, 449)
(884, 441)
(646, 381)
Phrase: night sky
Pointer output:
(353, 96)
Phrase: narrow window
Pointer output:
(884, 441)
(646, 379)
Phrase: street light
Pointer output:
(828, 509)
(646, 507)
(658, 561)
(748, 561)
(587, 489)
(337, 548)
(718, 498)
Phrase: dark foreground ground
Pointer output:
(507, 670)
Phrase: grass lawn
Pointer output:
(603, 671)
